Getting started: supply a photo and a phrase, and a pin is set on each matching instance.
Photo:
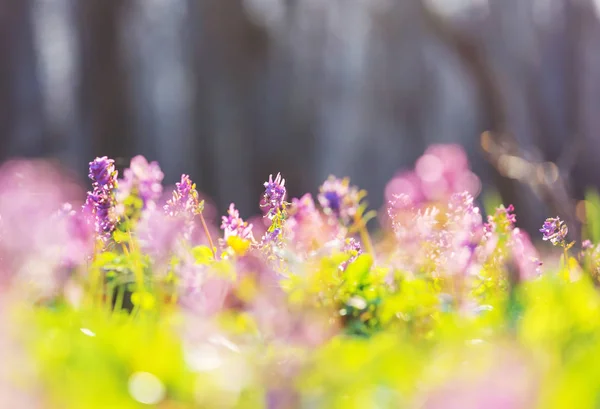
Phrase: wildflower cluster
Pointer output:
(446, 305)
(555, 231)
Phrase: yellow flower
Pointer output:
(238, 245)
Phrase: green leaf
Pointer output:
(105, 258)
(592, 212)
(202, 254)
(120, 236)
(491, 201)
(358, 270)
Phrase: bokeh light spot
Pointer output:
(146, 388)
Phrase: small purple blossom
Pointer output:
(555, 231)
(141, 178)
(185, 198)
(272, 236)
(352, 246)
(234, 225)
(338, 198)
(274, 196)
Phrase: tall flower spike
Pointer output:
(555, 231)
(100, 201)
(274, 196)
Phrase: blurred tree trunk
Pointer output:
(105, 108)
(21, 118)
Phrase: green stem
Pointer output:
(364, 234)
(120, 296)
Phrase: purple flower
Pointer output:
(352, 246)
(338, 198)
(272, 236)
(141, 178)
(185, 198)
(274, 196)
(234, 225)
(100, 201)
(554, 230)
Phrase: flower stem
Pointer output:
(364, 234)
(210, 242)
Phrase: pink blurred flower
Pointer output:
(36, 244)
(143, 179)
(525, 255)
(441, 171)
(306, 229)
(508, 384)
(158, 234)
(200, 291)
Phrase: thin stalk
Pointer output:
(210, 242)
(566, 258)
(120, 296)
(364, 234)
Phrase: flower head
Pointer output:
(185, 198)
(555, 231)
(234, 225)
(103, 173)
(338, 198)
(503, 220)
(274, 196)
(143, 179)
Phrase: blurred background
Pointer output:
(232, 90)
